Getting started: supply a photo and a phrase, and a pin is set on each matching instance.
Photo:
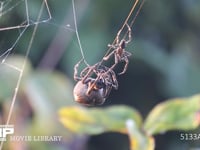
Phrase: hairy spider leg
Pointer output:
(113, 78)
(108, 76)
(125, 53)
(129, 34)
(76, 77)
(108, 87)
(125, 58)
(115, 85)
(112, 53)
(92, 85)
(89, 71)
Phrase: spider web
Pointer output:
(8, 8)
(28, 22)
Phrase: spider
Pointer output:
(94, 84)
(119, 51)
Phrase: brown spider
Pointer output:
(94, 84)
(119, 51)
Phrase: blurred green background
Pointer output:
(165, 64)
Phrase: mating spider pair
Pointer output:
(96, 82)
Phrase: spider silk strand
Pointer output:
(126, 22)
(77, 34)
(122, 28)
(22, 71)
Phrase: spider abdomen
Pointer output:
(95, 97)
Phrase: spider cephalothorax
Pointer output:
(94, 84)
(119, 51)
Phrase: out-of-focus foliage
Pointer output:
(120, 119)
(175, 114)
(36, 100)
(96, 121)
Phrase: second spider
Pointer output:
(119, 52)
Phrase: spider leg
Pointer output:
(114, 79)
(108, 82)
(108, 56)
(91, 85)
(112, 46)
(76, 77)
(84, 72)
(117, 59)
(129, 34)
(89, 73)
(118, 34)
(126, 65)
(127, 54)
(107, 91)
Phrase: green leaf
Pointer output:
(139, 140)
(98, 120)
(121, 119)
(174, 114)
